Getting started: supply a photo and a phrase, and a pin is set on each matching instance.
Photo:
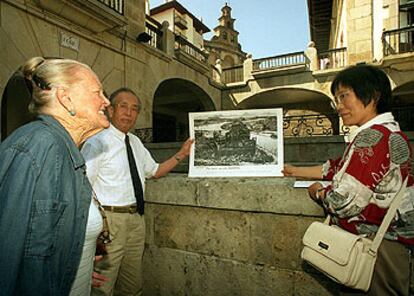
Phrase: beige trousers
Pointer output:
(123, 263)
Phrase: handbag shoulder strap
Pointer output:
(388, 218)
(98, 204)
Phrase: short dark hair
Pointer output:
(368, 83)
(113, 96)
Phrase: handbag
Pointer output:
(104, 236)
(347, 258)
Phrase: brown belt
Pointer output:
(121, 209)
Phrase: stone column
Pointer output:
(359, 31)
(311, 55)
(219, 70)
(247, 67)
(168, 41)
(135, 13)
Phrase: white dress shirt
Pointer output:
(107, 166)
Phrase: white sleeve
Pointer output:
(150, 165)
(92, 151)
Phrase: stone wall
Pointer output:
(230, 236)
(233, 236)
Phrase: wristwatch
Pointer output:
(317, 196)
(177, 158)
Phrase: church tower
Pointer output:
(224, 45)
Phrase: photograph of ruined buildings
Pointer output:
(221, 236)
(235, 141)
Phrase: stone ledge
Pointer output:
(268, 195)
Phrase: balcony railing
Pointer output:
(115, 5)
(232, 74)
(332, 59)
(398, 41)
(156, 35)
(285, 60)
(184, 45)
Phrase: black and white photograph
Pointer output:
(237, 143)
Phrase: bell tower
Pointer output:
(224, 45)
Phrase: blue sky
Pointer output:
(266, 27)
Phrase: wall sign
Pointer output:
(69, 41)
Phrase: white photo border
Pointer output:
(214, 120)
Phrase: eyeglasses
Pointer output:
(339, 99)
(126, 107)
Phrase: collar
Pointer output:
(116, 132)
(379, 119)
(75, 155)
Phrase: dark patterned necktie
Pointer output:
(136, 182)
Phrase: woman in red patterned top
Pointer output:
(367, 177)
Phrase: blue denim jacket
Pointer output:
(44, 202)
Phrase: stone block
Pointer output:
(113, 80)
(363, 46)
(104, 62)
(314, 284)
(276, 240)
(363, 23)
(164, 190)
(360, 11)
(225, 234)
(47, 36)
(360, 35)
(359, 3)
(20, 32)
(171, 272)
(88, 53)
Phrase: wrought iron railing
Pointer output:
(232, 74)
(312, 125)
(115, 5)
(332, 59)
(184, 45)
(285, 60)
(293, 126)
(145, 134)
(398, 41)
(156, 35)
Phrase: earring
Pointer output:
(72, 110)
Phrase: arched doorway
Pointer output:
(14, 105)
(173, 100)
(403, 105)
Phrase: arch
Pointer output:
(402, 107)
(14, 105)
(301, 108)
(289, 97)
(228, 61)
(173, 100)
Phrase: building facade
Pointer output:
(161, 54)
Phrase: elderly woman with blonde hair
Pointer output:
(45, 196)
